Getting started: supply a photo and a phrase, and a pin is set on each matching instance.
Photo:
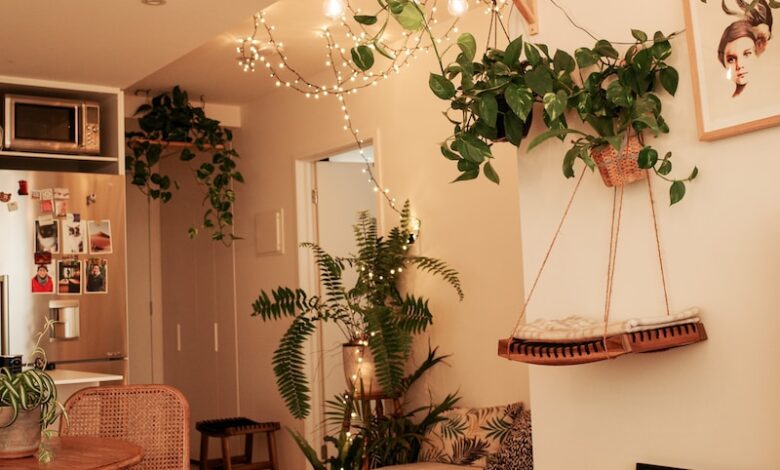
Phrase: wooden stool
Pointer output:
(228, 427)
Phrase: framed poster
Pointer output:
(735, 63)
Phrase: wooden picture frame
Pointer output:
(733, 98)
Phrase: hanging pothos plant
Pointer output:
(171, 123)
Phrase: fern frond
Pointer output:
(289, 362)
(415, 315)
(389, 347)
(331, 270)
(430, 361)
(439, 268)
(285, 302)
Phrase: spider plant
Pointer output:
(372, 313)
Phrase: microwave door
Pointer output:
(42, 125)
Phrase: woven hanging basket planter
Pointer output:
(619, 169)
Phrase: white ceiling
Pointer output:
(109, 42)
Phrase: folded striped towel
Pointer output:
(577, 328)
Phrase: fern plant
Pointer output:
(373, 312)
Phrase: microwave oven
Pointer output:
(51, 125)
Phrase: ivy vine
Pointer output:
(170, 124)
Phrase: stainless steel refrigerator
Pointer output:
(62, 252)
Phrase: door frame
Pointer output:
(307, 231)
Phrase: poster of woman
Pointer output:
(42, 281)
(735, 62)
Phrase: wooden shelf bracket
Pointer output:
(528, 10)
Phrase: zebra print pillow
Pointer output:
(516, 452)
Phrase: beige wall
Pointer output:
(709, 406)
(473, 226)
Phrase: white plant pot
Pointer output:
(22, 438)
(359, 367)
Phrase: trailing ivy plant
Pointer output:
(494, 101)
(373, 312)
(169, 120)
(618, 100)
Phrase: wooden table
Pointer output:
(83, 453)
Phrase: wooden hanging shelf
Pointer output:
(527, 9)
(176, 144)
(583, 352)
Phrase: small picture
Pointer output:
(60, 208)
(47, 206)
(61, 193)
(43, 280)
(47, 232)
(74, 233)
(69, 277)
(35, 194)
(97, 276)
(99, 236)
(46, 194)
(42, 257)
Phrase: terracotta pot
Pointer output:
(618, 170)
(357, 370)
(22, 438)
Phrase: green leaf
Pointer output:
(640, 36)
(381, 49)
(694, 173)
(661, 50)
(665, 168)
(513, 51)
(676, 192)
(602, 124)
(513, 127)
(410, 17)
(365, 19)
(491, 173)
(488, 108)
(669, 80)
(557, 132)
(585, 57)
(468, 45)
(539, 80)
(474, 149)
(568, 161)
(467, 175)
(604, 48)
(562, 61)
(363, 57)
(616, 141)
(532, 54)
(618, 94)
(519, 99)
(552, 105)
(441, 87)
(448, 154)
(648, 156)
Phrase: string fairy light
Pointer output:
(348, 77)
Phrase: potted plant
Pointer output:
(170, 121)
(618, 101)
(28, 405)
(494, 100)
(373, 314)
(378, 439)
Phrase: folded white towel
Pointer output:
(576, 328)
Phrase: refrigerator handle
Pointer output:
(5, 335)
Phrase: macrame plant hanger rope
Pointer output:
(607, 347)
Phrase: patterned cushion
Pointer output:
(469, 436)
(516, 452)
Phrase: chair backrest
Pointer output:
(155, 417)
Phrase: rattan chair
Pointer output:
(155, 417)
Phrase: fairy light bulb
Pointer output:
(333, 9)
(457, 7)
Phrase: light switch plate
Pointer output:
(269, 232)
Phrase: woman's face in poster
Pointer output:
(738, 55)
